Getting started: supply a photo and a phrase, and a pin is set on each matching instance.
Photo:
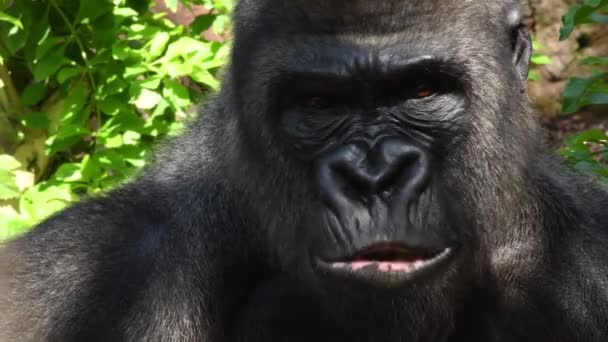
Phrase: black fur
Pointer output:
(223, 236)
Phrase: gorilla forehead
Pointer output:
(364, 16)
(464, 30)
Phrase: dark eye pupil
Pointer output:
(317, 102)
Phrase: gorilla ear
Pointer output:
(522, 43)
(522, 51)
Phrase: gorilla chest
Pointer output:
(279, 310)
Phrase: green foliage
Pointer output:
(538, 58)
(587, 151)
(591, 11)
(581, 92)
(593, 90)
(87, 88)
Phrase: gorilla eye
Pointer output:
(423, 90)
(317, 102)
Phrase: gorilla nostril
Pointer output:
(393, 170)
(350, 179)
(388, 167)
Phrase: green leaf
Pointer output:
(112, 85)
(172, 5)
(202, 23)
(131, 138)
(15, 40)
(90, 168)
(105, 30)
(147, 99)
(205, 77)
(135, 71)
(91, 10)
(37, 29)
(68, 73)
(113, 105)
(12, 224)
(44, 199)
(187, 47)
(575, 88)
(177, 94)
(14, 21)
(151, 82)
(595, 60)
(591, 135)
(533, 75)
(113, 141)
(8, 162)
(158, 45)
(134, 154)
(67, 136)
(103, 57)
(541, 59)
(33, 94)
(598, 98)
(124, 12)
(112, 160)
(50, 63)
(14, 36)
(121, 122)
(68, 172)
(44, 45)
(581, 14)
(36, 120)
(73, 106)
(140, 32)
(8, 186)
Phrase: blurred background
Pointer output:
(87, 88)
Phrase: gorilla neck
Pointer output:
(282, 310)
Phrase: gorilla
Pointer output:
(369, 171)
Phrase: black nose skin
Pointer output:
(392, 169)
(371, 192)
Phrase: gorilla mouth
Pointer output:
(390, 257)
(388, 263)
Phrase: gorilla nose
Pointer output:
(388, 167)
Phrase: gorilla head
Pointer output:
(385, 140)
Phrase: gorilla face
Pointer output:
(369, 126)
(372, 128)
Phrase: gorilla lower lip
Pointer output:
(387, 265)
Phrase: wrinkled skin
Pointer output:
(369, 171)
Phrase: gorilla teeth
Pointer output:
(381, 266)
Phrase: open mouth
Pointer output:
(388, 263)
